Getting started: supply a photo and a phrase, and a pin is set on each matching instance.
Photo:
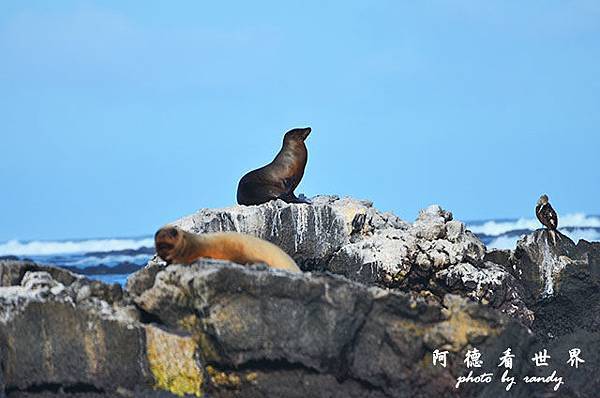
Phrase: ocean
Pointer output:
(504, 234)
(112, 259)
(107, 259)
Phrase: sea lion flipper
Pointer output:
(304, 199)
(292, 198)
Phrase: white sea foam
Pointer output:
(496, 228)
(41, 248)
(504, 242)
(582, 233)
(510, 242)
(110, 261)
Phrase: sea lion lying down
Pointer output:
(174, 245)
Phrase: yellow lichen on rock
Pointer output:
(189, 323)
(206, 347)
(251, 377)
(95, 348)
(227, 379)
(173, 363)
(460, 328)
(227, 317)
(463, 328)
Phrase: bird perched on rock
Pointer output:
(547, 216)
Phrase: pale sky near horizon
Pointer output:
(118, 117)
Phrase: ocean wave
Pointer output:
(590, 235)
(497, 228)
(110, 261)
(575, 234)
(44, 248)
(504, 242)
(121, 279)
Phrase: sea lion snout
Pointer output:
(306, 132)
(165, 241)
(299, 134)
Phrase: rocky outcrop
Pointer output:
(312, 234)
(378, 297)
(560, 285)
(64, 335)
(562, 282)
(272, 333)
(350, 237)
(222, 329)
(435, 255)
(546, 286)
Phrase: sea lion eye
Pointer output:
(173, 232)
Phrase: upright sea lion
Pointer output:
(547, 216)
(177, 246)
(278, 179)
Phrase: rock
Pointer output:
(61, 335)
(144, 280)
(436, 255)
(498, 256)
(381, 297)
(317, 333)
(12, 272)
(561, 283)
(541, 262)
(350, 237)
(454, 230)
(431, 223)
(561, 286)
(491, 285)
(384, 258)
(310, 233)
(123, 268)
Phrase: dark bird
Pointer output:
(547, 216)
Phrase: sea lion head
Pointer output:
(543, 200)
(167, 242)
(296, 135)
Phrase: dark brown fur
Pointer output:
(278, 179)
(547, 216)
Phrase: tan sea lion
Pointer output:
(174, 245)
(278, 179)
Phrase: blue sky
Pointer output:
(116, 118)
